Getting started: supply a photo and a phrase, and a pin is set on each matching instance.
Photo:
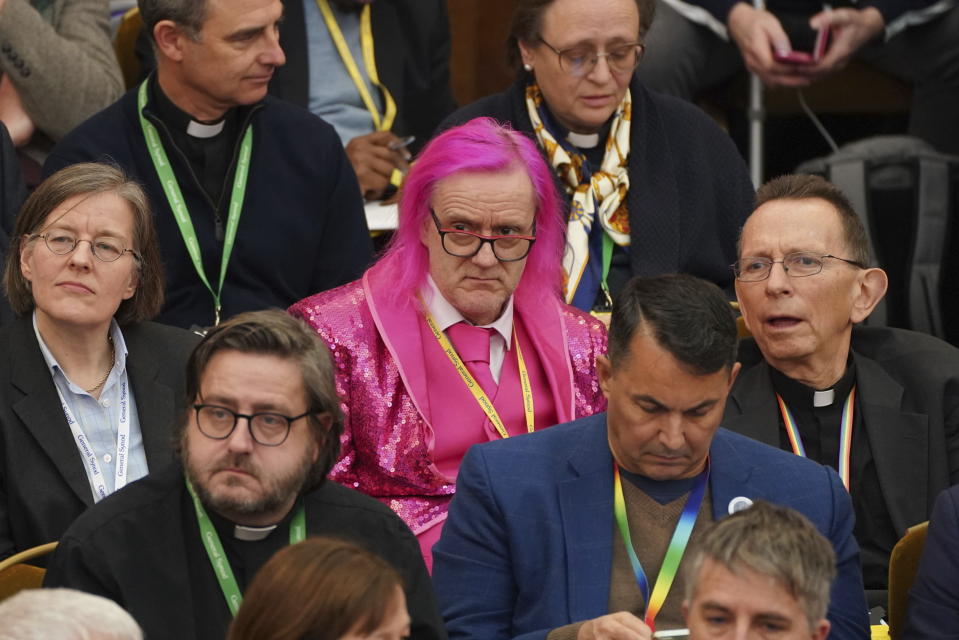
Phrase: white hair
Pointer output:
(64, 614)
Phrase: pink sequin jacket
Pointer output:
(387, 440)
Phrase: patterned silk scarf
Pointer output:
(592, 192)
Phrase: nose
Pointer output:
(82, 255)
(485, 256)
(241, 440)
(273, 53)
(778, 281)
(600, 73)
(671, 433)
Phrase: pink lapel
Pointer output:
(547, 332)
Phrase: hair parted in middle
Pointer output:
(275, 333)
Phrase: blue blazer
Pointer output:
(527, 546)
(933, 610)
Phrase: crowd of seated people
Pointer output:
(530, 417)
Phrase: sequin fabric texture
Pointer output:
(386, 443)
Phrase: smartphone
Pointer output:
(802, 57)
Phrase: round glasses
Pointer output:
(580, 61)
(466, 244)
(267, 428)
(796, 265)
(106, 249)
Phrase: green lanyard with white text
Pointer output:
(214, 549)
(175, 197)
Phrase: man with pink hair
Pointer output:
(458, 335)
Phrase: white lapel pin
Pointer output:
(739, 504)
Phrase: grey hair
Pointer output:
(64, 614)
(189, 14)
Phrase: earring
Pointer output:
(527, 67)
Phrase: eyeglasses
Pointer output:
(796, 265)
(268, 429)
(580, 61)
(466, 244)
(62, 242)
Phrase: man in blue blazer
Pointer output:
(535, 542)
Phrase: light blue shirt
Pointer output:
(333, 96)
(100, 419)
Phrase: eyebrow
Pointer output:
(102, 233)
(246, 32)
(705, 404)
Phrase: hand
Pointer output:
(14, 116)
(851, 29)
(621, 625)
(373, 161)
(758, 33)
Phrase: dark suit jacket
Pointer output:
(908, 388)
(933, 611)
(12, 194)
(412, 44)
(527, 545)
(43, 486)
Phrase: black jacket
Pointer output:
(43, 486)
(689, 189)
(141, 548)
(302, 229)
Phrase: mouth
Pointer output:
(597, 100)
(76, 287)
(782, 323)
(261, 78)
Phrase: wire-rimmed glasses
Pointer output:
(105, 248)
(797, 265)
(579, 61)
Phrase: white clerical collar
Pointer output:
(583, 140)
(200, 130)
(823, 398)
(252, 534)
(446, 315)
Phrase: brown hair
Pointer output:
(773, 541)
(275, 333)
(527, 24)
(89, 178)
(802, 187)
(318, 589)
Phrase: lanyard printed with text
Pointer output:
(481, 398)
(178, 205)
(845, 433)
(677, 544)
(90, 457)
(218, 559)
(382, 122)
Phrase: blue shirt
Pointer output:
(99, 418)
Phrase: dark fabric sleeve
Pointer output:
(13, 194)
(472, 569)
(892, 9)
(426, 623)
(719, 8)
(933, 609)
(75, 564)
(345, 248)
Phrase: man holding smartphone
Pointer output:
(696, 44)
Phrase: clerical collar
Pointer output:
(251, 534)
(227, 529)
(446, 315)
(796, 394)
(179, 120)
(583, 140)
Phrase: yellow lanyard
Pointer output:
(481, 398)
(382, 122)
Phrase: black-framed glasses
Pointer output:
(797, 265)
(266, 428)
(580, 60)
(106, 249)
(466, 244)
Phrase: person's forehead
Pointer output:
(227, 16)
(744, 590)
(792, 225)
(577, 22)
(656, 372)
(506, 194)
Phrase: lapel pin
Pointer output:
(739, 504)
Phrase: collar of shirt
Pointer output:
(446, 315)
(119, 357)
(796, 394)
(180, 121)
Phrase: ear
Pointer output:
(604, 371)
(870, 288)
(685, 610)
(526, 53)
(733, 372)
(821, 630)
(132, 283)
(26, 250)
(169, 38)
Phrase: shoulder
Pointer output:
(577, 320)
(159, 335)
(280, 115)
(498, 106)
(776, 470)
(348, 512)
(102, 137)
(901, 347)
(140, 507)
(335, 306)
(543, 449)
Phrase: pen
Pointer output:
(674, 633)
(402, 142)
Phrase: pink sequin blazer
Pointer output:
(377, 350)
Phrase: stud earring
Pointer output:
(527, 67)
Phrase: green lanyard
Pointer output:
(214, 549)
(178, 204)
(608, 246)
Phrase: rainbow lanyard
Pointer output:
(677, 544)
(845, 433)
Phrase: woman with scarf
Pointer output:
(654, 186)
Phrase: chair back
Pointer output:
(16, 576)
(124, 45)
(903, 564)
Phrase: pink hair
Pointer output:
(484, 146)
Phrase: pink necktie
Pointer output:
(472, 346)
